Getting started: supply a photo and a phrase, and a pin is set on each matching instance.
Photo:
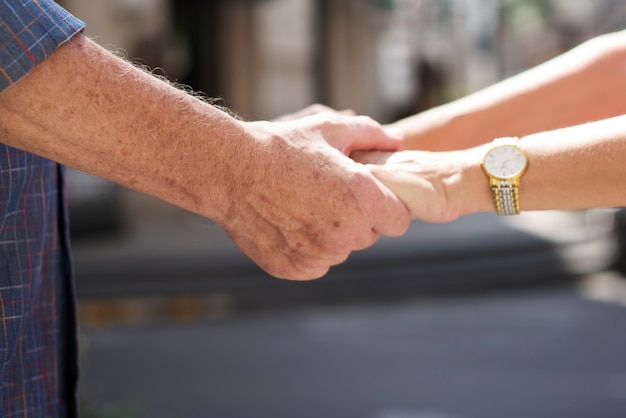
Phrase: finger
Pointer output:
(363, 133)
(311, 267)
(300, 267)
(309, 273)
(392, 217)
(313, 263)
(371, 157)
(305, 267)
(307, 111)
(368, 240)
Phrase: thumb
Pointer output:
(392, 217)
(363, 133)
(401, 183)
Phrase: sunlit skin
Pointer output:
(567, 113)
(89, 109)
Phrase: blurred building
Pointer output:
(384, 58)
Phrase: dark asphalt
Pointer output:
(477, 318)
(175, 252)
(542, 352)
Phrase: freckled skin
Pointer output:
(278, 189)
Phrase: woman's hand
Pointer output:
(434, 186)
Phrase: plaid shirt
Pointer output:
(38, 371)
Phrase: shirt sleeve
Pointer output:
(30, 31)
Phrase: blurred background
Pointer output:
(482, 317)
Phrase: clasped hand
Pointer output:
(303, 205)
(432, 185)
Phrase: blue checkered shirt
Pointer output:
(38, 372)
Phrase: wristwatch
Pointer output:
(504, 163)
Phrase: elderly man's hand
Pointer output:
(303, 205)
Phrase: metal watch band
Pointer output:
(506, 196)
(506, 140)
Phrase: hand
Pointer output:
(313, 109)
(302, 206)
(288, 199)
(434, 186)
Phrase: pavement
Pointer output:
(170, 262)
(483, 317)
(553, 351)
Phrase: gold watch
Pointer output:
(504, 163)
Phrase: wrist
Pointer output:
(237, 170)
(470, 193)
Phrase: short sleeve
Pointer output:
(30, 31)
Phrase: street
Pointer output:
(480, 318)
(548, 351)
(166, 251)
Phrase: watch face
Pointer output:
(505, 162)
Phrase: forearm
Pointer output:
(261, 181)
(579, 167)
(576, 168)
(88, 109)
(582, 85)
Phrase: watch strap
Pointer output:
(506, 192)
(506, 196)
(505, 140)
